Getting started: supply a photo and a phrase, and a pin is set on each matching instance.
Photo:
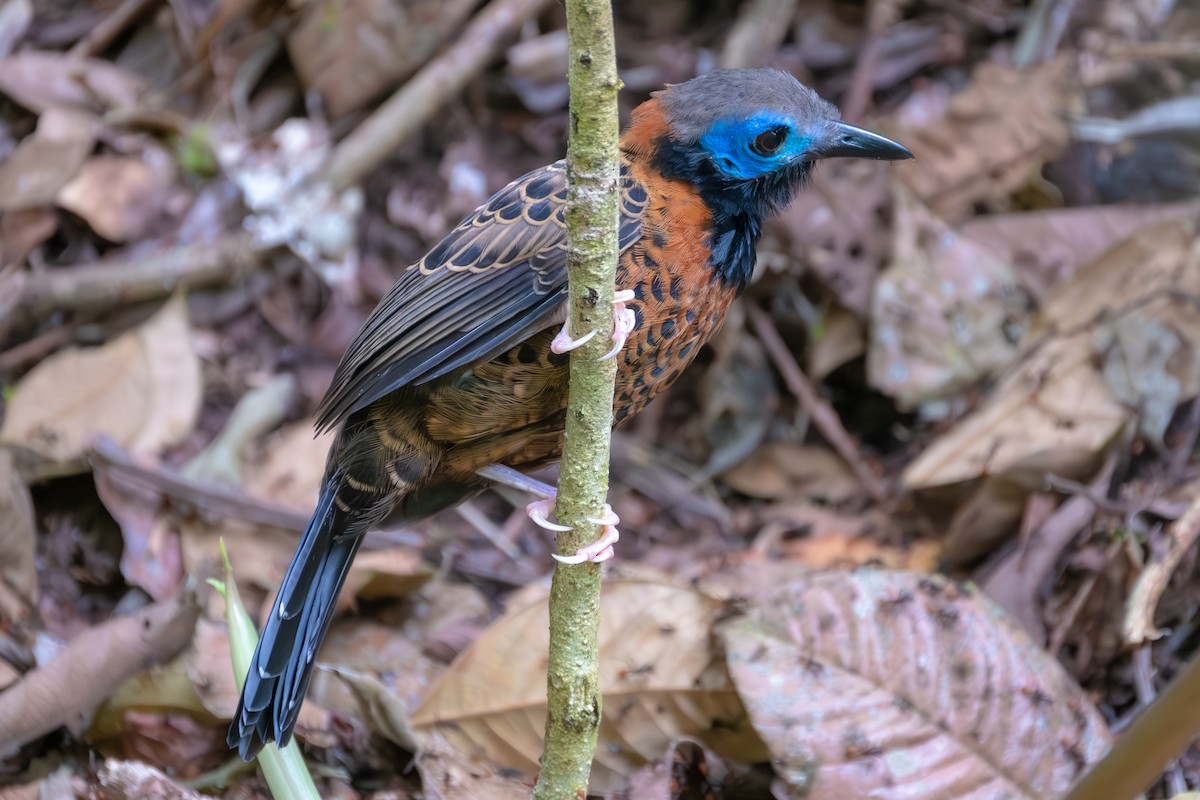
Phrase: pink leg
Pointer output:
(623, 324)
(540, 510)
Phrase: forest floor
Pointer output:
(957, 385)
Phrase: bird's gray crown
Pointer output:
(692, 107)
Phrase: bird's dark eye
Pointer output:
(769, 141)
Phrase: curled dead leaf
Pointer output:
(995, 136)
(658, 673)
(894, 685)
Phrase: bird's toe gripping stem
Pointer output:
(624, 321)
(597, 551)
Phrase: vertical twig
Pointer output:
(573, 692)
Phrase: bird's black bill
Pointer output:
(847, 141)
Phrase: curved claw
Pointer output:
(563, 343)
(539, 512)
(596, 552)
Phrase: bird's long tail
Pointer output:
(295, 625)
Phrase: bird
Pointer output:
(458, 378)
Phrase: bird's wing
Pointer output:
(497, 278)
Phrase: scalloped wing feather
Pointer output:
(499, 277)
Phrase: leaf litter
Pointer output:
(983, 371)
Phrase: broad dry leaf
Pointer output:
(1154, 274)
(15, 18)
(1058, 410)
(1054, 414)
(289, 468)
(40, 80)
(448, 773)
(1047, 248)
(897, 685)
(788, 470)
(120, 198)
(18, 535)
(945, 312)
(995, 136)
(351, 51)
(33, 174)
(659, 676)
(142, 390)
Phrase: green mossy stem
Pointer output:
(593, 167)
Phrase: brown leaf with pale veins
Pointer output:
(659, 676)
(897, 685)
(141, 389)
(994, 138)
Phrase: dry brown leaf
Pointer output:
(1153, 274)
(142, 390)
(898, 685)
(40, 81)
(18, 534)
(1054, 414)
(788, 470)
(840, 551)
(289, 469)
(841, 339)
(994, 138)
(351, 51)
(1047, 248)
(448, 773)
(15, 18)
(657, 675)
(120, 198)
(91, 667)
(20, 233)
(151, 557)
(945, 312)
(32, 176)
(1057, 411)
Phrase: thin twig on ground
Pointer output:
(823, 414)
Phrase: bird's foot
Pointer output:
(624, 321)
(597, 551)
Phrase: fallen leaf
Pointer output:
(67, 689)
(288, 469)
(20, 233)
(994, 137)
(1047, 248)
(449, 773)
(351, 51)
(141, 389)
(897, 685)
(258, 411)
(945, 312)
(33, 175)
(120, 198)
(1054, 414)
(657, 675)
(18, 534)
(40, 81)
(788, 470)
(15, 17)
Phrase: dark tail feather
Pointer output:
(294, 627)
